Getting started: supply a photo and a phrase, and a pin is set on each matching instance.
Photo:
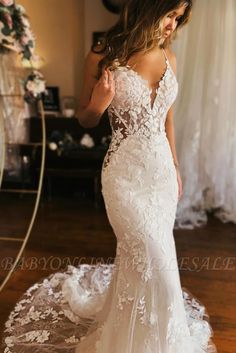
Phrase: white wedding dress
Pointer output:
(136, 304)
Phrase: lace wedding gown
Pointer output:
(136, 304)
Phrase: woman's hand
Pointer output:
(180, 194)
(103, 92)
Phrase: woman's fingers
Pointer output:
(106, 82)
(105, 76)
(110, 76)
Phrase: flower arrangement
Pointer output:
(63, 143)
(34, 86)
(15, 31)
(16, 35)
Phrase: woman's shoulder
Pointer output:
(171, 57)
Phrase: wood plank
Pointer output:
(68, 231)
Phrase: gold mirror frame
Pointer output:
(40, 183)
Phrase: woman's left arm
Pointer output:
(169, 128)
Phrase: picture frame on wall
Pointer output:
(98, 38)
(51, 101)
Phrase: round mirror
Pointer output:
(18, 198)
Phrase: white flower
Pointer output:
(36, 85)
(8, 323)
(43, 337)
(35, 315)
(24, 321)
(38, 336)
(71, 339)
(19, 307)
(7, 2)
(40, 86)
(9, 341)
(21, 9)
(57, 295)
(50, 291)
(25, 21)
(30, 336)
(87, 141)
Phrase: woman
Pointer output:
(135, 305)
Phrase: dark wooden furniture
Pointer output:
(75, 163)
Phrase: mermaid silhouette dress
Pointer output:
(136, 304)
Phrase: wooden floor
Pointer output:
(68, 231)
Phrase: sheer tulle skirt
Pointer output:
(53, 316)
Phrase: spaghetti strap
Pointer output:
(168, 63)
(165, 54)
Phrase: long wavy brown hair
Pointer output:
(138, 29)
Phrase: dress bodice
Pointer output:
(132, 111)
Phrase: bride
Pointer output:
(136, 304)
